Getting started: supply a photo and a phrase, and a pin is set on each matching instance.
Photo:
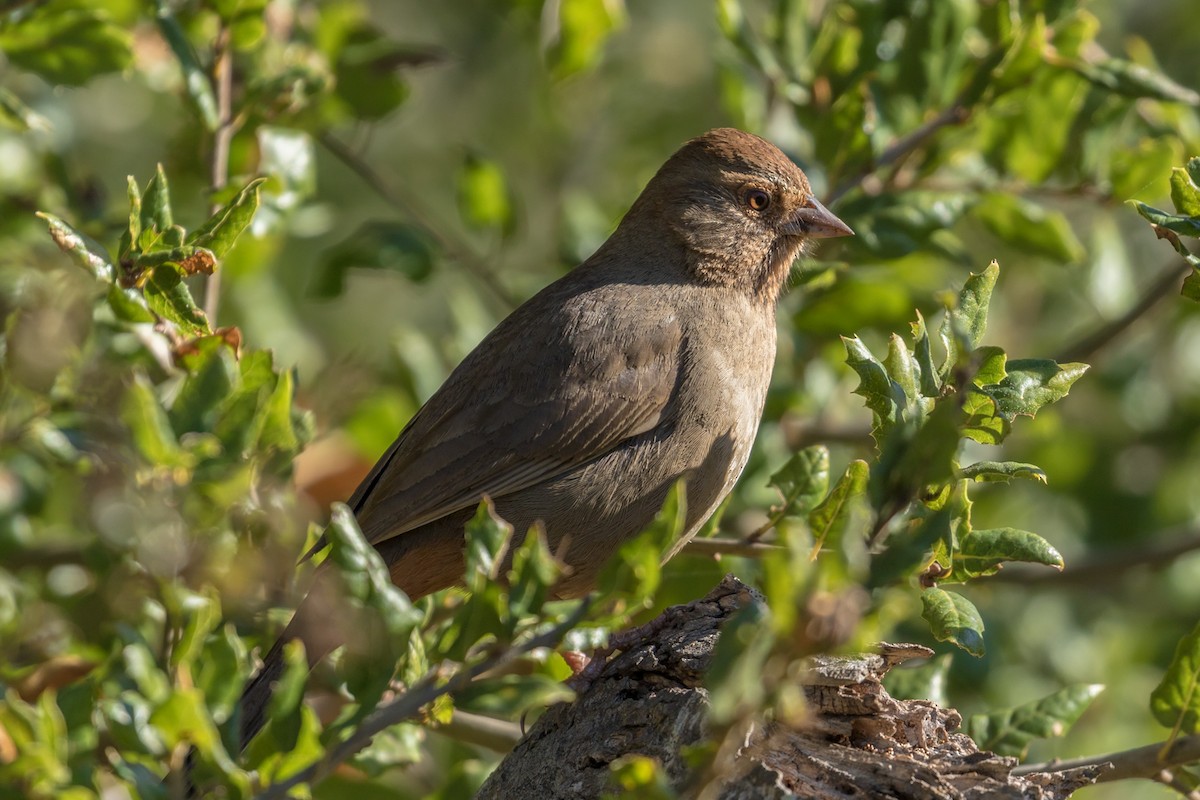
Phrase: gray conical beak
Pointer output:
(815, 221)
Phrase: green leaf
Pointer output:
(981, 552)
(534, 571)
(634, 574)
(734, 677)
(366, 576)
(884, 397)
(169, 297)
(184, 718)
(66, 44)
(953, 618)
(1191, 287)
(1176, 223)
(155, 214)
(84, 251)
(931, 380)
(1184, 192)
(487, 541)
(895, 224)
(223, 228)
(926, 682)
(392, 246)
(578, 32)
(844, 512)
(1009, 732)
(1002, 471)
(902, 369)
(484, 200)
(984, 423)
(129, 304)
(150, 427)
(1175, 702)
(1030, 228)
(993, 365)
(287, 700)
(1031, 384)
(195, 79)
(218, 671)
(803, 480)
(968, 318)
(1133, 80)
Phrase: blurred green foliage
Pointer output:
(398, 176)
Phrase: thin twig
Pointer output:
(498, 735)
(1140, 762)
(222, 138)
(1099, 568)
(724, 546)
(1094, 341)
(956, 114)
(453, 248)
(417, 697)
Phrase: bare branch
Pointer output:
(222, 138)
(1089, 345)
(1140, 762)
(390, 194)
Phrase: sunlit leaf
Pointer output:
(803, 480)
(1031, 384)
(844, 512)
(66, 43)
(1002, 471)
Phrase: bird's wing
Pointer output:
(522, 409)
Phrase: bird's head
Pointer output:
(740, 208)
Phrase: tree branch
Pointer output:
(1087, 346)
(392, 196)
(417, 697)
(1140, 762)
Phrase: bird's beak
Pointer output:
(815, 221)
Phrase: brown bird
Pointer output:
(646, 364)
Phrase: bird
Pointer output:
(646, 364)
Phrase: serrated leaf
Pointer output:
(968, 318)
(844, 512)
(981, 552)
(1031, 384)
(83, 250)
(366, 576)
(883, 396)
(1175, 702)
(155, 214)
(487, 542)
(1181, 224)
(1002, 471)
(1009, 732)
(803, 480)
(222, 229)
(953, 618)
(534, 571)
(1030, 228)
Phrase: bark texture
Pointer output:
(858, 742)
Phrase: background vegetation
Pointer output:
(428, 166)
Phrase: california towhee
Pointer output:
(646, 364)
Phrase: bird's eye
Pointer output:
(757, 199)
